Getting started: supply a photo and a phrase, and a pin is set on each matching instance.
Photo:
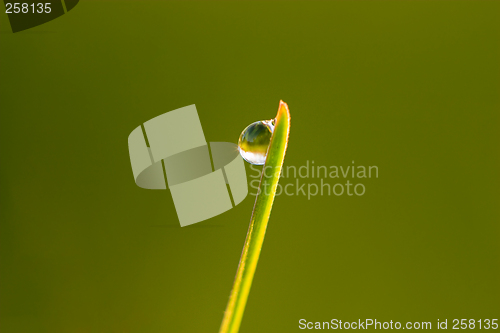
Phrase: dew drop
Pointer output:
(254, 141)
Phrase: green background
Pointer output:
(412, 87)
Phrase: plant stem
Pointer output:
(258, 222)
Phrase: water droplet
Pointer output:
(254, 141)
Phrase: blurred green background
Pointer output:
(412, 87)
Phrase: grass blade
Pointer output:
(258, 222)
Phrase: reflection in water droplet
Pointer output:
(254, 141)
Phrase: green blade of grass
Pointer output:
(258, 222)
